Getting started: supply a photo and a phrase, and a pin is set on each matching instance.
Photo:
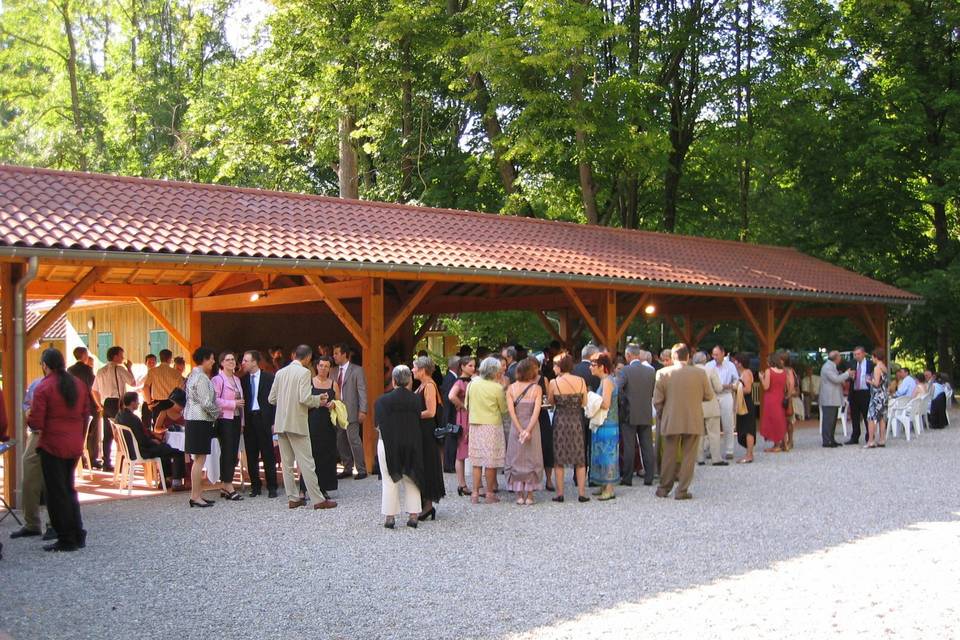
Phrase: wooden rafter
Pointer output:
(329, 297)
(274, 297)
(93, 276)
(210, 286)
(159, 277)
(545, 321)
(787, 312)
(133, 276)
(584, 312)
(186, 279)
(641, 303)
(166, 324)
(407, 310)
(704, 330)
(750, 318)
(682, 333)
(424, 328)
(108, 290)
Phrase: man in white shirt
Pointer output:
(727, 372)
(109, 386)
(906, 385)
(258, 419)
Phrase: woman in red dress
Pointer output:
(773, 418)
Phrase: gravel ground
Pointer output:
(811, 543)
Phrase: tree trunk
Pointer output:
(587, 187)
(73, 76)
(349, 182)
(406, 125)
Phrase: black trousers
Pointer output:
(171, 459)
(648, 453)
(828, 425)
(258, 441)
(859, 403)
(62, 504)
(107, 442)
(228, 435)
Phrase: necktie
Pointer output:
(340, 379)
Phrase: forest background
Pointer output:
(827, 125)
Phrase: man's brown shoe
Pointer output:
(326, 504)
(662, 493)
(685, 495)
(293, 504)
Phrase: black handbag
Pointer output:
(448, 430)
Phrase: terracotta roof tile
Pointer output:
(45, 208)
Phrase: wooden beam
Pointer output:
(704, 330)
(681, 333)
(185, 280)
(9, 274)
(424, 328)
(545, 321)
(327, 292)
(108, 290)
(372, 306)
(195, 318)
(609, 315)
(407, 310)
(584, 312)
(208, 287)
(273, 297)
(787, 312)
(750, 318)
(35, 333)
(873, 330)
(133, 276)
(444, 304)
(166, 324)
(641, 303)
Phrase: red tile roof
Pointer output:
(66, 210)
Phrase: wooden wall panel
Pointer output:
(131, 326)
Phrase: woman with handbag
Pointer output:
(200, 413)
(524, 453)
(431, 409)
(777, 388)
(457, 397)
(746, 418)
(226, 385)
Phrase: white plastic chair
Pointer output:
(926, 404)
(917, 415)
(843, 419)
(130, 458)
(898, 415)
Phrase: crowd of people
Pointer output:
(514, 417)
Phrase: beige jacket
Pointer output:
(291, 394)
(678, 398)
(711, 408)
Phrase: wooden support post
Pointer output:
(358, 332)
(625, 325)
(564, 317)
(166, 324)
(194, 337)
(35, 333)
(9, 274)
(610, 324)
(372, 312)
(407, 310)
(584, 313)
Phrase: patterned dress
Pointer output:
(877, 410)
(605, 446)
(567, 427)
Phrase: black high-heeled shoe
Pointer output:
(428, 515)
(390, 523)
(233, 496)
(203, 504)
(209, 502)
(412, 523)
(463, 491)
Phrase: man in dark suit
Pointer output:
(860, 375)
(258, 417)
(450, 413)
(582, 369)
(353, 393)
(82, 370)
(636, 416)
(170, 459)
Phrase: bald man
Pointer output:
(831, 397)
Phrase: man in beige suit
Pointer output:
(677, 396)
(711, 415)
(292, 395)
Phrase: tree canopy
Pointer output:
(827, 125)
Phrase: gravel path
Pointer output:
(812, 543)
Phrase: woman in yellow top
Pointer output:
(486, 404)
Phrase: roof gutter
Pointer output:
(308, 264)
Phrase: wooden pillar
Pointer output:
(10, 273)
(563, 316)
(372, 312)
(608, 303)
(194, 330)
(405, 338)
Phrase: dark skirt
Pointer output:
(228, 435)
(546, 438)
(432, 488)
(747, 424)
(938, 412)
(323, 445)
(197, 435)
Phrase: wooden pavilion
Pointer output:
(248, 255)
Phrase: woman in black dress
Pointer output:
(546, 437)
(747, 423)
(323, 434)
(431, 405)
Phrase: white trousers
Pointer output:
(713, 440)
(728, 421)
(390, 501)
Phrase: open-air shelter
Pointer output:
(250, 267)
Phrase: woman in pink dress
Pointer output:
(458, 394)
(773, 417)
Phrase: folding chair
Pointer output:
(4, 447)
(130, 458)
